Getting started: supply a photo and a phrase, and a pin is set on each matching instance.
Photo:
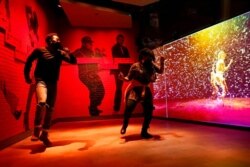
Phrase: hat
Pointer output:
(87, 39)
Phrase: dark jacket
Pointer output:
(48, 64)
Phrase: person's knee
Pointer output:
(45, 105)
(41, 104)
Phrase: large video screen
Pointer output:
(207, 75)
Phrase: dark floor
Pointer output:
(98, 143)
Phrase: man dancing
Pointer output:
(49, 60)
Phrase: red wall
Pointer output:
(17, 40)
(15, 44)
(72, 99)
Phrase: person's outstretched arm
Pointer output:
(34, 55)
(229, 64)
(67, 56)
(130, 75)
(159, 68)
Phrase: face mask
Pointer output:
(55, 42)
(56, 45)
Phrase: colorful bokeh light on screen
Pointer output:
(187, 83)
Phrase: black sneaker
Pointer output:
(146, 135)
(123, 130)
(94, 111)
(36, 134)
(46, 142)
(44, 138)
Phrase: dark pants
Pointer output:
(46, 97)
(95, 86)
(147, 104)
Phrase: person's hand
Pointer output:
(64, 51)
(121, 76)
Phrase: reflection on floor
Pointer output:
(98, 143)
(232, 111)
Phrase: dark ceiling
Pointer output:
(176, 17)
